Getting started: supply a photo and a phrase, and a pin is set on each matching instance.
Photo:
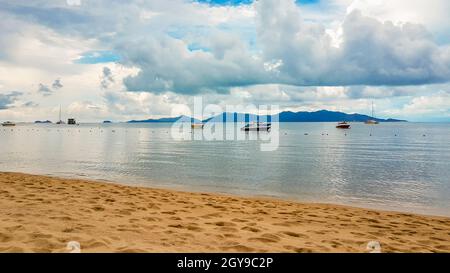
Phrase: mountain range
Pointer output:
(286, 116)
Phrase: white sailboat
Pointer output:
(60, 121)
(371, 121)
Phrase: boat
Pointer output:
(197, 125)
(8, 123)
(371, 121)
(343, 125)
(60, 121)
(72, 121)
(257, 126)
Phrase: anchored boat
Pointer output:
(371, 121)
(60, 121)
(343, 125)
(197, 125)
(8, 123)
(257, 126)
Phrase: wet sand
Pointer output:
(42, 214)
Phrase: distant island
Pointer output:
(286, 116)
(166, 120)
(44, 121)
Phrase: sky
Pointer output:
(122, 60)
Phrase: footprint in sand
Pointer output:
(238, 248)
(295, 234)
(5, 238)
(266, 238)
(251, 229)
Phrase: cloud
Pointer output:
(166, 64)
(57, 84)
(286, 52)
(7, 100)
(432, 14)
(30, 104)
(145, 104)
(286, 49)
(371, 52)
(44, 90)
(435, 104)
(425, 108)
(107, 78)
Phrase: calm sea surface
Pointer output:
(394, 166)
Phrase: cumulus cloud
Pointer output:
(433, 14)
(424, 108)
(107, 78)
(57, 84)
(371, 52)
(44, 90)
(166, 64)
(437, 103)
(266, 51)
(7, 100)
(287, 48)
(30, 104)
(134, 104)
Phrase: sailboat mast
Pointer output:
(372, 110)
(60, 113)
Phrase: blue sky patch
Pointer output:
(197, 47)
(306, 2)
(96, 57)
(226, 2)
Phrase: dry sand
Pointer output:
(42, 214)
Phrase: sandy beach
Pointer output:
(42, 214)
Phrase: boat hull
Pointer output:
(8, 124)
(256, 129)
(197, 126)
(371, 122)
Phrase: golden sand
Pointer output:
(42, 214)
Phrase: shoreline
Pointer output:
(219, 191)
(43, 213)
